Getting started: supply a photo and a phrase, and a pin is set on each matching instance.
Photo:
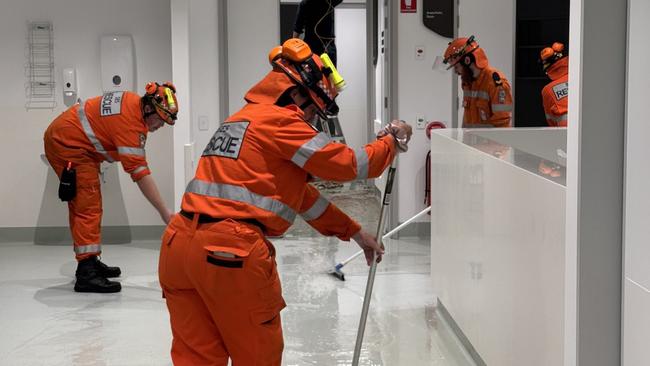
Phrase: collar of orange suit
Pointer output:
(558, 69)
(270, 88)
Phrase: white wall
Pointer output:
(422, 91)
(78, 25)
(636, 301)
(351, 52)
(204, 71)
(253, 29)
(493, 24)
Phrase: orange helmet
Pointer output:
(163, 99)
(295, 65)
(466, 50)
(549, 55)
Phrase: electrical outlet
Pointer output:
(204, 125)
(419, 53)
(420, 123)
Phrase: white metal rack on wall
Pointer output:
(40, 85)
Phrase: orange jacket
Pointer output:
(110, 127)
(487, 100)
(555, 94)
(259, 161)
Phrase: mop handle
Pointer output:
(402, 225)
(351, 258)
(373, 266)
(387, 235)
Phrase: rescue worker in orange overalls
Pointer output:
(217, 269)
(555, 94)
(111, 127)
(487, 99)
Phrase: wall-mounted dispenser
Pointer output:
(117, 63)
(69, 86)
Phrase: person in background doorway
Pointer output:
(555, 94)
(217, 269)
(316, 19)
(487, 100)
(111, 127)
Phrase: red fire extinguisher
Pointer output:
(427, 177)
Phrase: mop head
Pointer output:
(336, 272)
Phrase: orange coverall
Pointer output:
(487, 100)
(555, 94)
(220, 279)
(109, 127)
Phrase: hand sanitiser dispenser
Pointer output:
(69, 86)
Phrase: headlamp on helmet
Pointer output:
(309, 73)
(163, 100)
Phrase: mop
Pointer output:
(336, 272)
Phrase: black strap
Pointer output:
(427, 180)
(225, 263)
(203, 219)
(206, 219)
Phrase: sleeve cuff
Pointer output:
(352, 229)
(137, 175)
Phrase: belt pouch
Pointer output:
(68, 183)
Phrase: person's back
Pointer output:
(108, 128)
(555, 95)
(217, 269)
(112, 127)
(269, 151)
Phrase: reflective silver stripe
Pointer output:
(90, 134)
(556, 118)
(130, 150)
(501, 107)
(316, 210)
(309, 148)
(362, 163)
(89, 248)
(476, 94)
(139, 169)
(241, 194)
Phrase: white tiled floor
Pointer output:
(43, 322)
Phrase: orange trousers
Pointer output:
(223, 293)
(85, 210)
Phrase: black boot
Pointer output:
(89, 278)
(107, 271)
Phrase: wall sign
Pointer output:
(438, 15)
(408, 6)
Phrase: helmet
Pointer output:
(549, 55)
(163, 99)
(294, 65)
(466, 50)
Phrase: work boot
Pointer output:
(90, 279)
(107, 271)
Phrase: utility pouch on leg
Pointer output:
(68, 184)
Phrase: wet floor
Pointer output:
(43, 322)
